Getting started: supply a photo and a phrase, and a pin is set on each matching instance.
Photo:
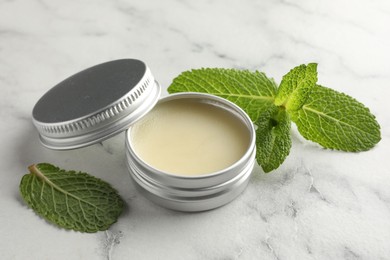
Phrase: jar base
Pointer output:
(197, 205)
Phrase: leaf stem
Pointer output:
(34, 170)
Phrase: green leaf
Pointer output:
(296, 86)
(337, 121)
(273, 141)
(72, 200)
(252, 91)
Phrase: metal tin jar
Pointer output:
(194, 193)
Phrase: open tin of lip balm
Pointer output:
(197, 152)
(190, 152)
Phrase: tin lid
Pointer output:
(95, 104)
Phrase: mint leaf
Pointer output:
(252, 91)
(273, 141)
(336, 121)
(296, 86)
(69, 199)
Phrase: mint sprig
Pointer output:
(69, 199)
(330, 118)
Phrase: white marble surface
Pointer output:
(319, 205)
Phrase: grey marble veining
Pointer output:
(319, 204)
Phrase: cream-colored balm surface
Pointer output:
(186, 137)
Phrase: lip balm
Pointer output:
(191, 152)
(190, 138)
